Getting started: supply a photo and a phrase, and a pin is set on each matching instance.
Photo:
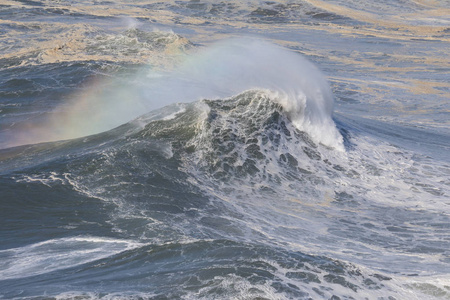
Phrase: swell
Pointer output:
(214, 268)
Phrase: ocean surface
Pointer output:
(225, 149)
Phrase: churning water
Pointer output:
(194, 150)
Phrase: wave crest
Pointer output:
(237, 65)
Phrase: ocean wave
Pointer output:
(148, 154)
(223, 70)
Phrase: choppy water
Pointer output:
(193, 150)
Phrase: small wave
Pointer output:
(57, 254)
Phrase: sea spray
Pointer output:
(233, 66)
(220, 71)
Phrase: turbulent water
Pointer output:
(225, 149)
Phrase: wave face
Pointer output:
(152, 150)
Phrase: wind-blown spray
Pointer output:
(219, 71)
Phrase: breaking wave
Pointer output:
(223, 70)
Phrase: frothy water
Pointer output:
(153, 150)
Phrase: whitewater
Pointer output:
(224, 150)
